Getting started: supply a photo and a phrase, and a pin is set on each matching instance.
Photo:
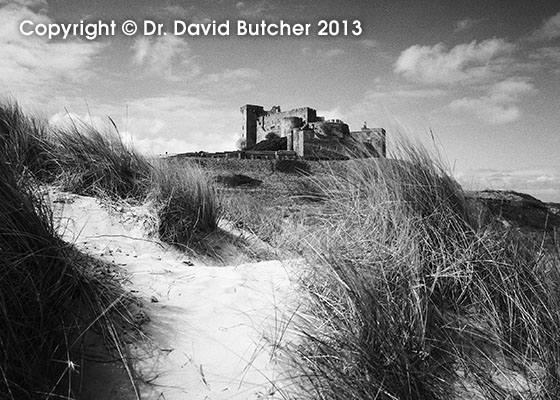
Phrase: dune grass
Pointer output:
(96, 163)
(26, 143)
(188, 206)
(413, 298)
(87, 161)
(78, 157)
(51, 295)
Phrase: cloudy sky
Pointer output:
(482, 76)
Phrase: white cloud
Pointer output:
(499, 105)
(177, 123)
(167, 56)
(334, 113)
(174, 124)
(541, 182)
(549, 30)
(190, 13)
(35, 68)
(547, 54)
(403, 92)
(259, 9)
(175, 11)
(464, 62)
(369, 43)
(547, 58)
(149, 141)
(417, 93)
(466, 24)
(160, 146)
(324, 54)
(67, 120)
(395, 107)
(240, 73)
(488, 110)
(232, 81)
(25, 3)
(509, 90)
(332, 53)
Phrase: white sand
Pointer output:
(213, 330)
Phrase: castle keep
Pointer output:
(309, 135)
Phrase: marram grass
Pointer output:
(411, 297)
(50, 294)
(188, 205)
(49, 297)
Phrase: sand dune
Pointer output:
(213, 331)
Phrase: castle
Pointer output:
(309, 135)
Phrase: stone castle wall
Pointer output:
(278, 123)
(309, 135)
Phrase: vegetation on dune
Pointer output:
(412, 295)
(415, 291)
(100, 164)
(78, 158)
(49, 294)
(415, 300)
(276, 226)
(187, 203)
(87, 161)
(26, 143)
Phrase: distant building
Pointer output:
(309, 135)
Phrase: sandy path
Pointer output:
(213, 330)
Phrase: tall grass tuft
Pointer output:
(51, 295)
(32, 269)
(79, 158)
(412, 299)
(26, 144)
(100, 164)
(87, 161)
(48, 295)
(188, 205)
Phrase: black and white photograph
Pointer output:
(291, 200)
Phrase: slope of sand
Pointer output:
(213, 331)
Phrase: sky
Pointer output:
(478, 81)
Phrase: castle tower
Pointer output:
(251, 113)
